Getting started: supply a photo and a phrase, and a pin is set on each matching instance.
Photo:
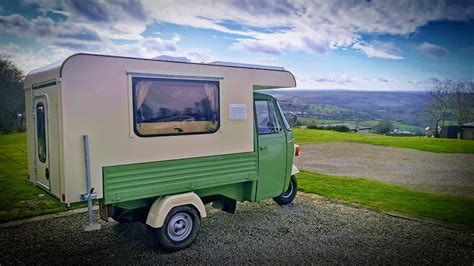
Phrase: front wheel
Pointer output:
(180, 228)
(289, 195)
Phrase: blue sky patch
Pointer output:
(371, 45)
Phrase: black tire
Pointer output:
(180, 228)
(289, 195)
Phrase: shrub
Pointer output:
(341, 129)
(383, 127)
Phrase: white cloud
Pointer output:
(433, 50)
(311, 26)
(256, 46)
(380, 50)
(176, 38)
(27, 60)
(268, 27)
(197, 55)
(48, 31)
(353, 83)
(145, 48)
(125, 19)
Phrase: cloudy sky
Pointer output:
(367, 45)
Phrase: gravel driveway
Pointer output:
(309, 231)
(446, 173)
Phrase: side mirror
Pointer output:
(291, 118)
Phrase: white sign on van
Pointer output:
(237, 111)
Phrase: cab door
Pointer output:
(271, 149)
(41, 142)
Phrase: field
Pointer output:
(382, 196)
(372, 123)
(18, 197)
(21, 199)
(389, 198)
(418, 143)
(367, 123)
(404, 108)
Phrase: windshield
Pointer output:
(287, 126)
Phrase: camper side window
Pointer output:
(175, 107)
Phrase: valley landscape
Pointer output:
(365, 108)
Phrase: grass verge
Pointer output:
(386, 197)
(18, 197)
(303, 136)
(21, 199)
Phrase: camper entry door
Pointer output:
(41, 141)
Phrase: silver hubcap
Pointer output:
(287, 194)
(180, 226)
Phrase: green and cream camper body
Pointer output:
(154, 140)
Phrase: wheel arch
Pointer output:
(294, 170)
(162, 206)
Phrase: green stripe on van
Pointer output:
(146, 180)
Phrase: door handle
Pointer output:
(46, 173)
(263, 148)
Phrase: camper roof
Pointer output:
(54, 70)
(234, 64)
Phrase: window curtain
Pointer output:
(141, 90)
(211, 91)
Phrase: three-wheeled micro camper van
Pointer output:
(154, 140)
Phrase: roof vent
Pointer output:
(172, 58)
(233, 64)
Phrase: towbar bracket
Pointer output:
(88, 196)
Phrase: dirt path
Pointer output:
(423, 171)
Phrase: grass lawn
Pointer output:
(418, 143)
(386, 197)
(21, 199)
(372, 123)
(18, 197)
(368, 123)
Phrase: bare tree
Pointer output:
(462, 102)
(439, 102)
(383, 127)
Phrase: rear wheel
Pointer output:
(179, 229)
(289, 195)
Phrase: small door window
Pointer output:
(267, 120)
(41, 131)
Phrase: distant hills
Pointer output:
(329, 106)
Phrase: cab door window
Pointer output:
(267, 120)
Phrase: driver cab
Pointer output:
(275, 146)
